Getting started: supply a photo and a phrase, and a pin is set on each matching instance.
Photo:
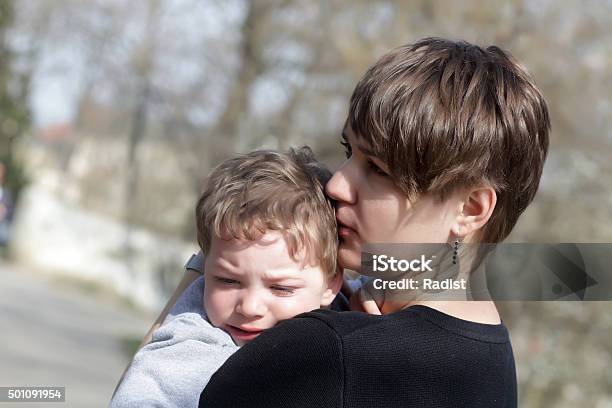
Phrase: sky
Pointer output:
(59, 72)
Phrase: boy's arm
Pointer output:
(193, 270)
(182, 356)
(295, 364)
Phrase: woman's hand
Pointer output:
(363, 301)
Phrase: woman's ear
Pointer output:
(333, 287)
(476, 210)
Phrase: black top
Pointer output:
(417, 357)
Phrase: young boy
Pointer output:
(269, 235)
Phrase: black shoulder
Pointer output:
(344, 323)
(297, 363)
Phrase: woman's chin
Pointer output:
(349, 257)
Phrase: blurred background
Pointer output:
(113, 112)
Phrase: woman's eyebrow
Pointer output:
(366, 150)
(363, 149)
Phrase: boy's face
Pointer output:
(372, 209)
(252, 285)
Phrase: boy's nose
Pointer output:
(251, 305)
(339, 187)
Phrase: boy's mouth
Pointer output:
(243, 334)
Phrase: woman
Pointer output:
(445, 142)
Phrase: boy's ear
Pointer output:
(333, 287)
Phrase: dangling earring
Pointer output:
(456, 247)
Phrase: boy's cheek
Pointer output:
(298, 306)
(215, 307)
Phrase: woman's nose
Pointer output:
(251, 305)
(340, 187)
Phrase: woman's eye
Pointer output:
(226, 281)
(347, 148)
(376, 169)
(283, 290)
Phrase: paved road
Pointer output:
(58, 335)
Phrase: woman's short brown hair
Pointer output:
(444, 114)
(266, 190)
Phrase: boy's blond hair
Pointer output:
(267, 190)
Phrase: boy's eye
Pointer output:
(226, 281)
(283, 290)
(376, 169)
(348, 151)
